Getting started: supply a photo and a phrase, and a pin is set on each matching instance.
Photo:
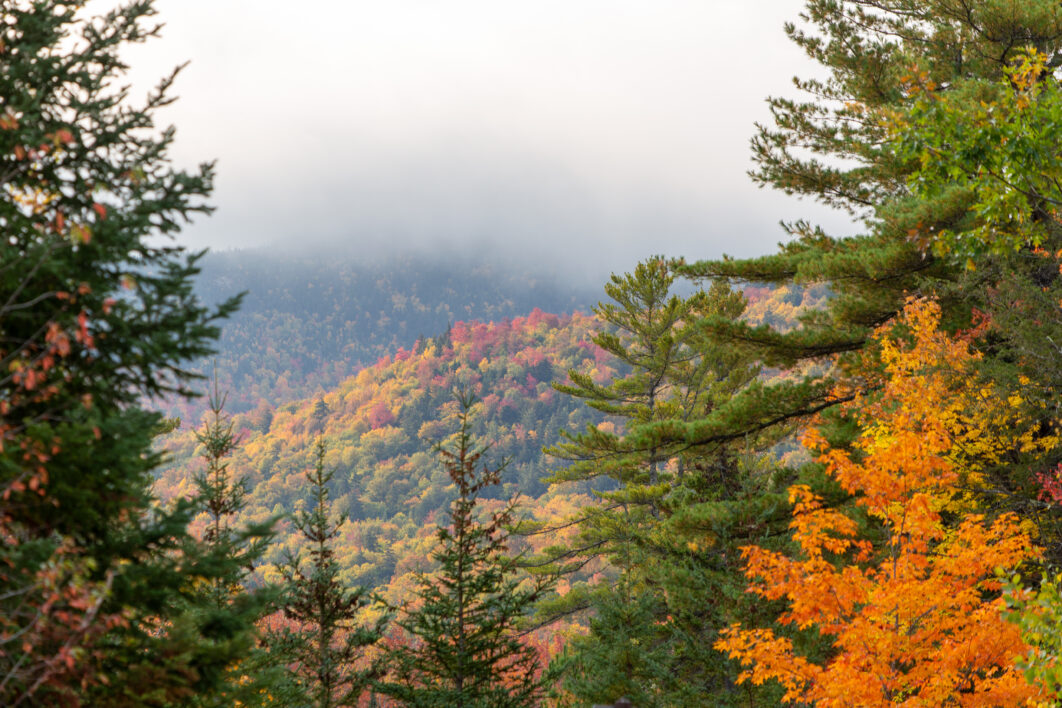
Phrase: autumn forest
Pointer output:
(826, 476)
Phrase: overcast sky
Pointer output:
(607, 129)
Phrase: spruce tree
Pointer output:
(326, 646)
(226, 609)
(97, 315)
(463, 627)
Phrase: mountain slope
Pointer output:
(310, 321)
(380, 426)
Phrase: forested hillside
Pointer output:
(380, 426)
(310, 320)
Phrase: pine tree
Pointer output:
(669, 525)
(673, 374)
(625, 655)
(835, 148)
(648, 330)
(222, 496)
(326, 648)
(97, 314)
(921, 108)
(465, 648)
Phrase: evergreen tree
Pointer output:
(327, 643)
(673, 373)
(909, 131)
(225, 608)
(320, 414)
(625, 655)
(671, 526)
(834, 147)
(935, 126)
(97, 314)
(465, 646)
(222, 496)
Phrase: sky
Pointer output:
(598, 132)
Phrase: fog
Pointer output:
(577, 135)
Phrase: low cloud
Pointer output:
(598, 132)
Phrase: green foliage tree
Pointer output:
(625, 654)
(465, 648)
(988, 143)
(648, 330)
(326, 647)
(1038, 614)
(97, 314)
(1003, 171)
(672, 373)
(669, 525)
(933, 127)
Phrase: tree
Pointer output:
(328, 642)
(465, 646)
(97, 314)
(648, 330)
(837, 147)
(226, 610)
(990, 145)
(668, 514)
(915, 618)
(1038, 615)
(672, 373)
(935, 127)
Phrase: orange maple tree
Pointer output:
(915, 620)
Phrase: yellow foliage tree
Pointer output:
(916, 621)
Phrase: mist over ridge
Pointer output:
(312, 317)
